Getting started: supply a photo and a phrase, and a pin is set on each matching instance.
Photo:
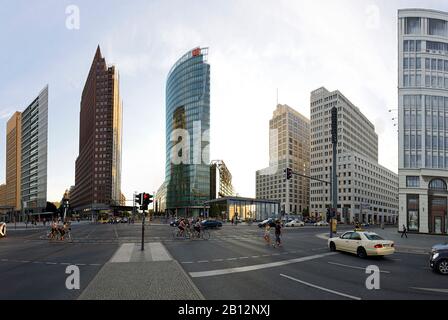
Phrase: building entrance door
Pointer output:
(438, 224)
(437, 218)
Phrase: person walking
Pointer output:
(267, 234)
(278, 233)
(405, 232)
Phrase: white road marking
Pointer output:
(203, 261)
(256, 267)
(159, 252)
(231, 259)
(80, 264)
(321, 288)
(218, 260)
(352, 267)
(188, 262)
(431, 289)
(51, 263)
(123, 254)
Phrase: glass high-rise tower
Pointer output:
(187, 134)
(423, 119)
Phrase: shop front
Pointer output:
(245, 209)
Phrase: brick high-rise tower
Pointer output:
(98, 166)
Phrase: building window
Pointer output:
(412, 182)
(438, 185)
(412, 25)
(413, 212)
(437, 27)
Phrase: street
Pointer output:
(235, 264)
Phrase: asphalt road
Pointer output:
(234, 264)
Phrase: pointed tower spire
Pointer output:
(98, 53)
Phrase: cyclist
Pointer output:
(197, 227)
(54, 229)
(182, 227)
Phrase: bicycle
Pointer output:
(204, 234)
(178, 234)
(57, 235)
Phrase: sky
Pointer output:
(255, 48)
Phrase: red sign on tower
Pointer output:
(196, 52)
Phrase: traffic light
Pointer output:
(138, 199)
(328, 215)
(334, 125)
(288, 173)
(147, 199)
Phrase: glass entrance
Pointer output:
(437, 215)
(438, 221)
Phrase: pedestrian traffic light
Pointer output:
(288, 173)
(147, 199)
(334, 125)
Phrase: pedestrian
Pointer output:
(267, 234)
(278, 233)
(405, 232)
(382, 225)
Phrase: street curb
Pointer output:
(196, 289)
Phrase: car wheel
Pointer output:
(332, 246)
(442, 267)
(361, 252)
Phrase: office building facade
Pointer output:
(220, 180)
(289, 147)
(13, 162)
(34, 154)
(423, 120)
(187, 134)
(98, 166)
(365, 189)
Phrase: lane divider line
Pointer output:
(219, 272)
(353, 267)
(321, 288)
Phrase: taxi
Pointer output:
(362, 243)
(2, 229)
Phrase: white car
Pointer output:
(321, 224)
(362, 244)
(295, 223)
(2, 229)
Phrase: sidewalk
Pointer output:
(415, 243)
(135, 275)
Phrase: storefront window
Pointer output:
(413, 212)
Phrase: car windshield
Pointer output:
(373, 236)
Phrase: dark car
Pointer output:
(439, 258)
(211, 224)
(174, 223)
(271, 222)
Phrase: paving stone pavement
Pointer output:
(134, 275)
